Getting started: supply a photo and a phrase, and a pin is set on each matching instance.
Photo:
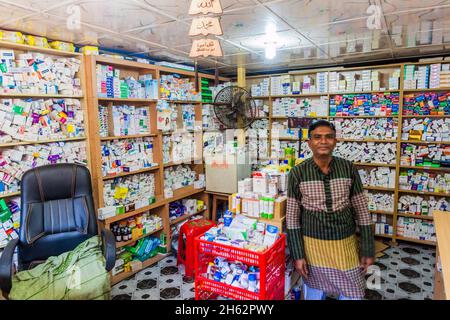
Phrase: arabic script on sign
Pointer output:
(205, 7)
(205, 26)
(205, 48)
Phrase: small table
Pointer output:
(217, 196)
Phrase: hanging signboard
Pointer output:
(205, 7)
(205, 26)
(205, 48)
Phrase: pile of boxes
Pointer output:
(177, 177)
(418, 205)
(426, 130)
(424, 181)
(322, 82)
(261, 89)
(131, 155)
(360, 129)
(382, 226)
(280, 85)
(9, 220)
(427, 76)
(136, 227)
(110, 84)
(416, 229)
(378, 177)
(15, 161)
(432, 155)
(300, 107)
(130, 120)
(428, 103)
(37, 120)
(380, 201)
(173, 87)
(36, 73)
(129, 193)
(185, 207)
(282, 130)
(367, 152)
(382, 104)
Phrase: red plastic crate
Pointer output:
(270, 262)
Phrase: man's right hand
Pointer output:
(302, 267)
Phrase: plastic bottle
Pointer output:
(252, 282)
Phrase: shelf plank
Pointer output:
(301, 95)
(364, 92)
(184, 193)
(124, 174)
(24, 143)
(181, 101)
(4, 95)
(124, 275)
(127, 100)
(9, 195)
(388, 213)
(426, 193)
(426, 168)
(432, 243)
(379, 188)
(415, 216)
(24, 47)
(192, 162)
(426, 116)
(185, 217)
(285, 118)
(374, 164)
(366, 140)
(125, 63)
(424, 142)
(363, 117)
(425, 90)
(126, 243)
(135, 212)
(136, 136)
(384, 236)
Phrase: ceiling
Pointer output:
(310, 33)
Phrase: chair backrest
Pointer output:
(57, 211)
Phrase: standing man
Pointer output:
(325, 204)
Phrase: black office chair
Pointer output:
(57, 214)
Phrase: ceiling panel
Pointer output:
(173, 34)
(10, 13)
(38, 5)
(397, 6)
(307, 14)
(117, 15)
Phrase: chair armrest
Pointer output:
(109, 248)
(6, 266)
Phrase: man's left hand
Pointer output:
(366, 262)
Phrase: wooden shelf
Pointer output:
(426, 116)
(123, 174)
(122, 63)
(24, 143)
(135, 212)
(431, 243)
(123, 275)
(388, 213)
(285, 118)
(425, 90)
(301, 95)
(181, 101)
(4, 95)
(127, 100)
(426, 168)
(425, 142)
(261, 98)
(136, 136)
(374, 164)
(126, 243)
(192, 162)
(24, 47)
(9, 195)
(415, 216)
(384, 236)
(366, 140)
(184, 193)
(185, 217)
(363, 117)
(379, 188)
(364, 92)
(425, 193)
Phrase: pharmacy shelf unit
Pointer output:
(385, 72)
(8, 93)
(161, 205)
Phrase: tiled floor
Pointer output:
(406, 273)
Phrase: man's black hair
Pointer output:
(320, 123)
